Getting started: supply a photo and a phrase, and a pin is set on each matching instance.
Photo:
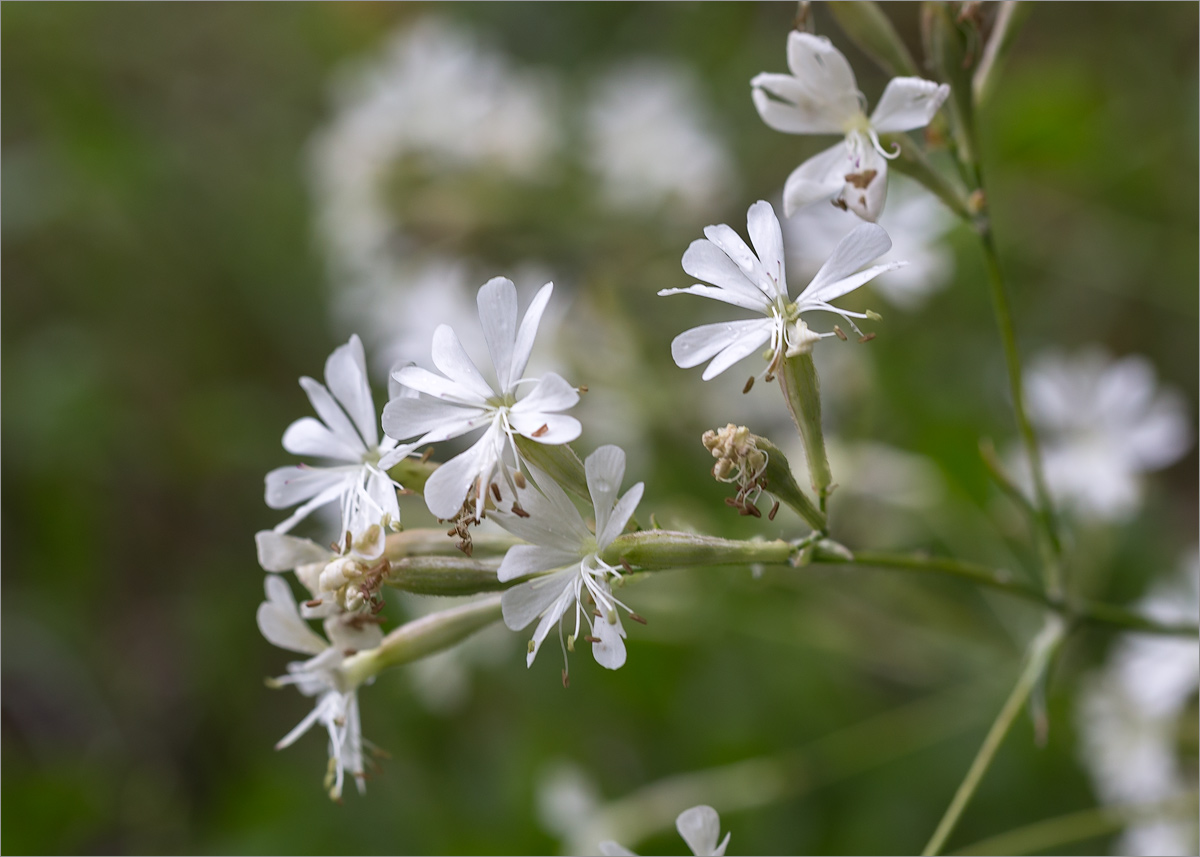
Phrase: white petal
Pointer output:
(382, 493)
(610, 651)
(824, 70)
(446, 389)
(693, 347)
(451, 359)
(908, 103)
(346, 375)
(1162, 435)
(820, 177)
(497, 301)
(608, 848)
(279, 621)
(726, 295)
(863, 245)
(287, 486)
(767, 238)
(527, 333)
(549, 620)
(405, 417)
(334, 492)
(332, 414)
(448, 486)
(867, 167)
(738, 350)
(551, 393)
(394, 456)
(552, 429)
(553, 519)
(699, 826)
(307, 436)
(521, 560)
(605, 468)
(786, 104)
(731, 244)
(705, 261)
(525, 602)
(280, 552)
(621, 514)
(347, 632)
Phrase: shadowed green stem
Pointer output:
(1040, 652)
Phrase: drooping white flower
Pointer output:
(1102, 424)
(320, 676)
(649, 142)
(700, 828)
(460, 400)
(336, 580)
(915, 221)
(756, 281)
(564, 554)
(1129, 719)
(346, 433)
(821, 96)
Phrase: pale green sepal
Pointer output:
(558, 461)
(802, 393)
(870, 29)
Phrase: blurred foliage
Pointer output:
(163, 291)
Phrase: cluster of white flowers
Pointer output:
(1129, 717)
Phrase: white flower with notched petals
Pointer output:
(346, 432)
(460, 400)
(561, 543)
(320, 676)
(700, 828)
(821, 96)
(756, 281)
(1102, 423)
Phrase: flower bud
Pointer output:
(871, 30)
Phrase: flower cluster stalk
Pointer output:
(421, 637)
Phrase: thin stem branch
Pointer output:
(1040, 651)
(1048, 542)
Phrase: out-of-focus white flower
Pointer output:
(436, 94)
(649, 142)
(1102, 423)
(756, 280)
(821, 96)
(1128, 718)
(561, 543)
(915, 221)
(321, 676)
(461, 401)
(346, 432)
(700, 828)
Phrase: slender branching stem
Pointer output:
(1041, 650)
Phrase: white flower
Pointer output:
(463, 401)
(649, 142)
(346, 432)
(335, 580)
(699, 826)
(1129, 718)
(758, 282)
(1102, 424)
(561, 543)
(915, 221)
(820, 96)
(320, 676)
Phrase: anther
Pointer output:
(769, 378)
(841, 334)
(774, 511)
(426, 455)
(496, 491)
(641, 620)
(519, 480)
(316, 602)
(592, 639)
(545, 428)
(583, 388)
(518, 511)
(729, 501)
(866, 337)
(566, 678)
(625, 565)
(753, 510)
(749, 384)
(453, 531)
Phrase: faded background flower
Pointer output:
(200, 202)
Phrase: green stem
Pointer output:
(1051, 833)
(1087, 612)
(1049, 542)
(1040, 651)
(653, 550)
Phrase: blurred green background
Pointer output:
(164, 285)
